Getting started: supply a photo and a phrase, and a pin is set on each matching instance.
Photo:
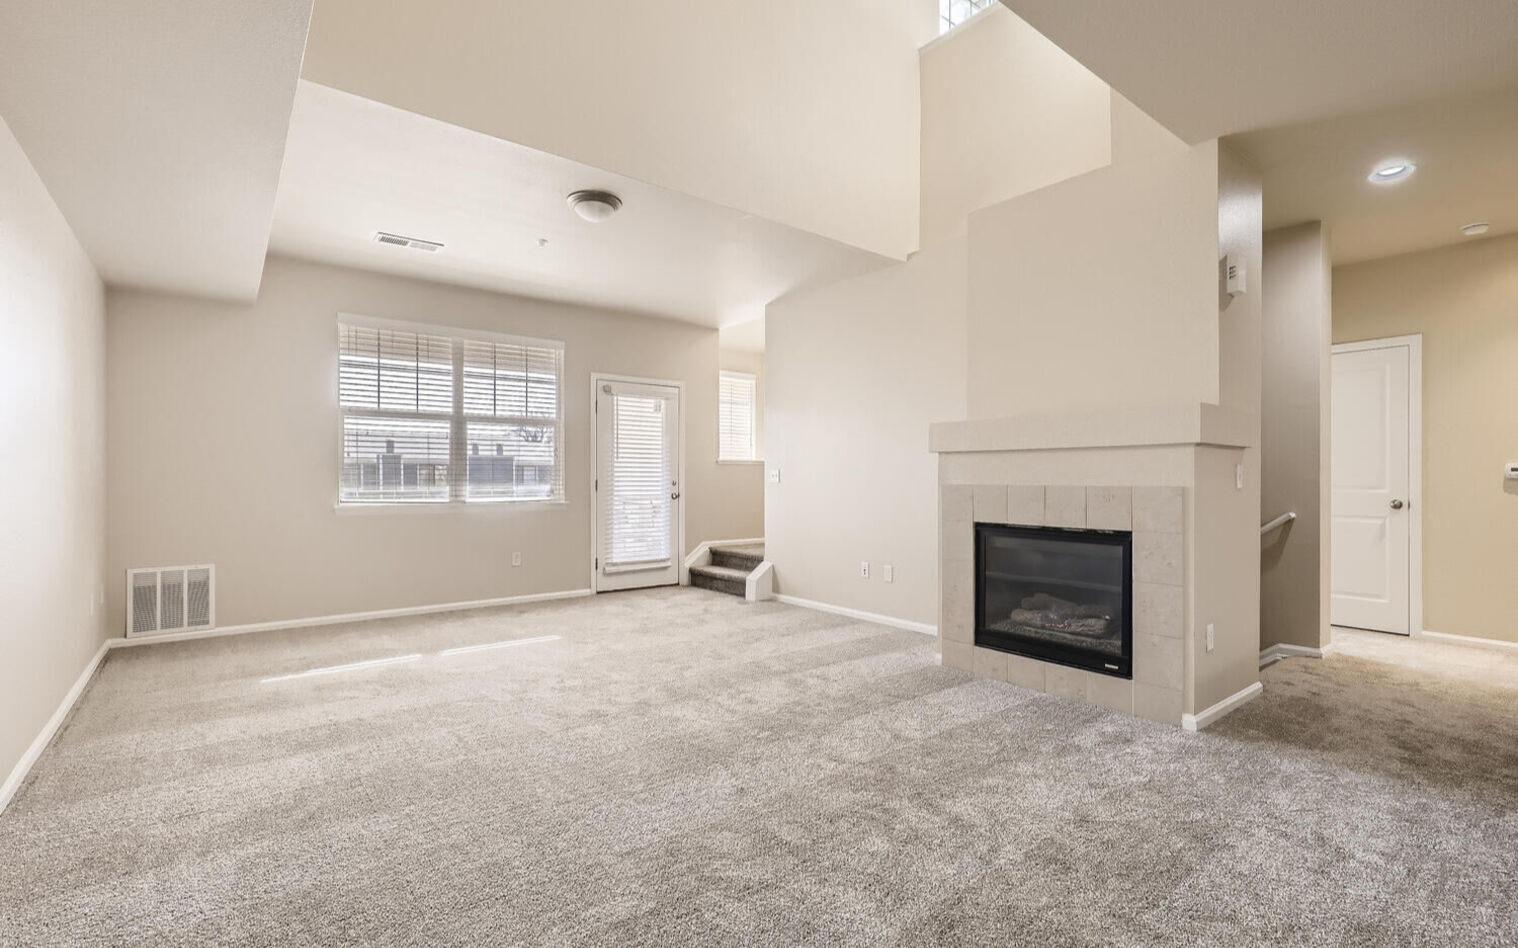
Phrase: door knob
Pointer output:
(1396, 505)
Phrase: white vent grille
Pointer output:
(396, 240)
(170, 599)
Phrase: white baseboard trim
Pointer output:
(1470, 641)
(702, 554)
(1195, 722)
(346, 617)
(875, 617)
(1283, 650)
(24, 765)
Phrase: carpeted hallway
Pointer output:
(678, 767)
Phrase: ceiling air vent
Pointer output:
(396, 240)
(170, 599)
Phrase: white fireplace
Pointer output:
(1155, 494)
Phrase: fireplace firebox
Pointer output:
(1058, 595)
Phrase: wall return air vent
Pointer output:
(415, 243)
(170, 599)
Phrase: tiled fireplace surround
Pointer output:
(1155, 515)
(1167, 474)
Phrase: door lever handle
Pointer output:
(1396, 505)
(675, 496)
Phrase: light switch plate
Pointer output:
(888, 573)
(1212, 637)
(516, 559)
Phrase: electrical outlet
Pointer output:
(888, 573)
(516, 559)
(775, 475)
(1212, 637)
(864, 569)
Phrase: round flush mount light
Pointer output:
(1475, 229)
(1387, 172)
(595, 206)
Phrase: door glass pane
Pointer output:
(640, 509)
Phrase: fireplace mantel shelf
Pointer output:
(1109, 428)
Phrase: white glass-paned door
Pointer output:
(638, 485)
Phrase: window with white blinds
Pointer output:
(447, 416)
(737, 399)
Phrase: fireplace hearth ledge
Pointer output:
(1108, 428)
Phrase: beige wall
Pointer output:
(1004, 111)
(223, 436)
(1227, 527)
(1109, 275)
(740, 484)
(1102, 288)
(1295, 284)
(797, 111)
(856, 372)
(1464, 300)
(52, 484)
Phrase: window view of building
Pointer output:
(436, 418)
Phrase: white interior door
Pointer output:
(637, 486)
(1371, 488)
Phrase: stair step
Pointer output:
(723, 579)
(720, 572)
(746, 558)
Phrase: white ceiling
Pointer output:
(158, 127)
(354, 167)
(1465, 151)
(1207, 68)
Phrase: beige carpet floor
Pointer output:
(675, 767)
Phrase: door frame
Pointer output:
(596, 380)
(1414, 345)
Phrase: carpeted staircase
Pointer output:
(729, 569)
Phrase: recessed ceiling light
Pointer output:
(595, 206)
(1475, 229)
(1392, 171)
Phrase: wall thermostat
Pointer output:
(1234, 276)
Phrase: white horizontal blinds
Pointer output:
(736, 399)
(389, 370)
(396, 391)
(637, 474)
(512, 423)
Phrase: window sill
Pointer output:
(407, 509)
(740, 461)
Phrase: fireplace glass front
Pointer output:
(1062, 596)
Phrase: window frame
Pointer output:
(946, 22)
(753, 408)
(458, 421)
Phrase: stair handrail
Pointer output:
(1280, 521)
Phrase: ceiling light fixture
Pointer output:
(1475, 229)
(595, 206)
(1392, 171)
